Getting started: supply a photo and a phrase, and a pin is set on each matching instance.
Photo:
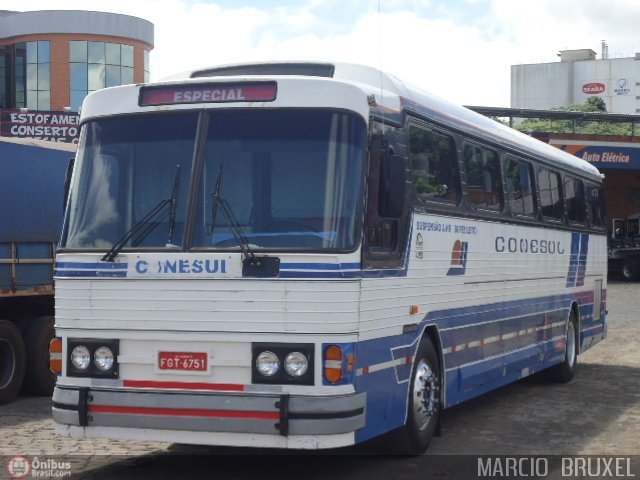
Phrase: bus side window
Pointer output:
(574, 196)
(387, 213)
(433, 166)
(595, 206)
(484, 186)
(550, 196)
(519, 187)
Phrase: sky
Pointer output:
(461, 50)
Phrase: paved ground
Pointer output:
(598, 413)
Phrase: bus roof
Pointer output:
(395, 97)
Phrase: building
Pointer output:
(578, 76)
(50, 60)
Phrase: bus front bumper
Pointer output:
(209, 412)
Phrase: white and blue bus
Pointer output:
(310, 255)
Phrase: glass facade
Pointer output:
(38, 75)
(96, 65)
(4, 80)
(25, 75)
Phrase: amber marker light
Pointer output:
(333, 364)
(55, 356)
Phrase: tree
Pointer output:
(593, 104)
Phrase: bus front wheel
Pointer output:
(424, 402)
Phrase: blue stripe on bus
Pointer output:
(287, 270)
(89, 274)
(582, 259)
(92, 266)
(90, 270)
(473, 371)
(463, 316)
(578, 259)
(320, 266)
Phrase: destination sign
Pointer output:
(208, 93)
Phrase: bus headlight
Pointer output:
(103, 359)
(92, 357)
(80, 357)
(268, 363)
(296, 364)
(282, 363)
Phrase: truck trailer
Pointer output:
(32, 177)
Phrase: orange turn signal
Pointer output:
(55, 355)
(333, 364)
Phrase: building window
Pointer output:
(3, 79)
(21, 75)
(96, 65)
(38, 75)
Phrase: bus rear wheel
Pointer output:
(565, 371)
(424, 405)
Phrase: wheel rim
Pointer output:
(571, 344)
(627, 270)
(425, 400)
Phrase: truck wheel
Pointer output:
(630, 269)
(38, 378)
(12, 361)
(564, 372)
(424, 403)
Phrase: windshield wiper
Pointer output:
(236, 230)
(251, 264)
(156, 213)
(173, 207)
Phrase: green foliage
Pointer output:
(593, 104)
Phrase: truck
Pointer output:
(32, 179)
(624, 247)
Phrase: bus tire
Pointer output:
(565, 371)
(12, 361)
(38, 377)
(630, 269)
(423, 407)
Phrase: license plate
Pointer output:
(183, 361)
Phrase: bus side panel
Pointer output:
(508, 341)
(383, 369)
(501, 295)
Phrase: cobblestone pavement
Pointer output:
(597, 413)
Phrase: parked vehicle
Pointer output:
(32, 177)
(624, 247)
(307, 256)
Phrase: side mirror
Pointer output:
(393, 185)
(67, 183)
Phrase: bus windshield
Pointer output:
(291, 178)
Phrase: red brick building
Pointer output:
(50, 60)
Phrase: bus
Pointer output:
(311, 255)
